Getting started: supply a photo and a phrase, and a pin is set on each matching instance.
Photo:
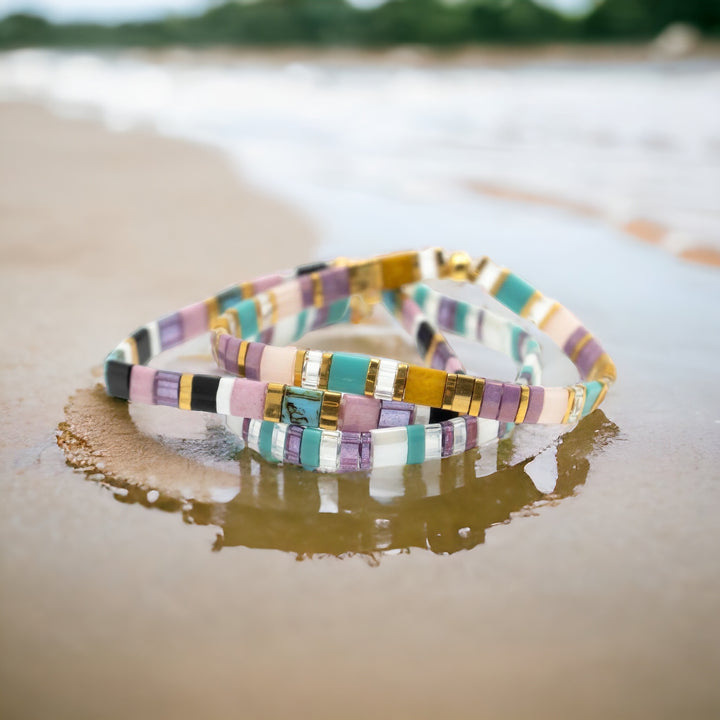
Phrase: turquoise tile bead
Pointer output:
(461, 317)
(592, 391)
(421, 295)
(310, 447)
(338, 312)
(416, 444)
(301, 407)
(265, 440)
(302, 320)
(348, 373)
(514, 293)
(247, 314)
(390, 300)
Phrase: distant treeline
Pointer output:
(334, 22)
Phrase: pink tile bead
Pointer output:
(561, 325)
(555, 404)
(266, 282)
(278, 365)
(194, 320)
(142, 380)
(248, 399)
(358, 413)
(288, 298)
(454, 365)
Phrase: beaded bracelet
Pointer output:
(257, 311)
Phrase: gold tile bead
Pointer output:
(185, 393)
(477, 396)
(464, 386)
(324, 374)
(400, 381)
(527, 307)
(246, 289)
(215, 341)
(577, 349)
(221, 323)
(365, 280)
(399, 269)
(523, 405)
(134, 356)
(449, 392)
(299, 364)
(371, 377)
(241, 357)
(234, 322)
(603, 369)
(318, 297)
(213, 310)
(571, 401)
(273, 402)
(330, 410)
(273, 307)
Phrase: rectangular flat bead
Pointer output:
(278, 364)
(224, 393)
(433, 442)
(247, 315)
(535, 403)
(425, 386)
(301, 406)
(416, 444)
(492, 396)
(359, 413)
(399, 269)
(204, 393)
(350, 451)
(554, 406)
(310, 447)
(330, 410)
(514, 293)
(464, 387)
(117, 379)
(265, 440)
(170, 329)
(185, 394)
(293, 441)
(248, 399)
(471, 432)
(329, 451)
(142, 384)
(253, 358)
(194, 320)
(335, 284)
(394, 414)
(348, 373)
(390, 447)
(167, 388)
(274, 401)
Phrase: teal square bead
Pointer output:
(247, 315)
(265, 440)
(348, 373)
(421, 295)
(338, 312)
(592, 391)
(310, 448)
(301, 407)
(302, 321)
(514, 293)
(416, 444)
(461, 317)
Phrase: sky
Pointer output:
(117, 10)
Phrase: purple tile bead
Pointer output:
(170, 329)
(441, 356)
(509, 403)
(446, 313)
(232, 350)
(448, 438)
(394, 414)
(470, 432)
(350, 451)
(166, 388)
(535, 404)
(479, 330)
(335, 284)
(252, 360)
(491, 400)
(266, 336)
(293, 440)
(574, 339)
(588, 356)
(366, 451)
(245, 428)
(306, 289)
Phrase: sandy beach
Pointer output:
(597, 601)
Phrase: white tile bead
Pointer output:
(390, 447)
(433, 442)
(253, 440)
(311, 369)
(487, 431)
(385, 383)
(459, 434)
(222, 398)
(329, 451)
(428, 263)
(421, 415)
(277, 446)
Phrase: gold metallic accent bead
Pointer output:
(360, 310)
(400, 381)
(324, 374)
(273, 307)
(185, 393)
(477, 396)
(499, 282)
(583, 342)
(134, 355)
(437, 338)
(365, 280)
(273, 402)
(221, 323)
(603, 369)
(523, 406)
(299, 364)
(318, 297)
(214, 342)
(527, 307)
(246, 290)
(371, 377)
(553, 309)
(213, 310)
(458, 267)
(479, 267)
(330, 410)
(449, 393)
(242, 353)
(571, 402)
(601, 396)
(234, 322)
(464, 387)
(259, 313)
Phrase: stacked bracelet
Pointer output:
(339, 411)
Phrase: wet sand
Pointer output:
(599, 600)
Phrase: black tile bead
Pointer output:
(142, 340)
(424, 336)
(117, 379)
(204, 393)
(439, 415)
(311, 268)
